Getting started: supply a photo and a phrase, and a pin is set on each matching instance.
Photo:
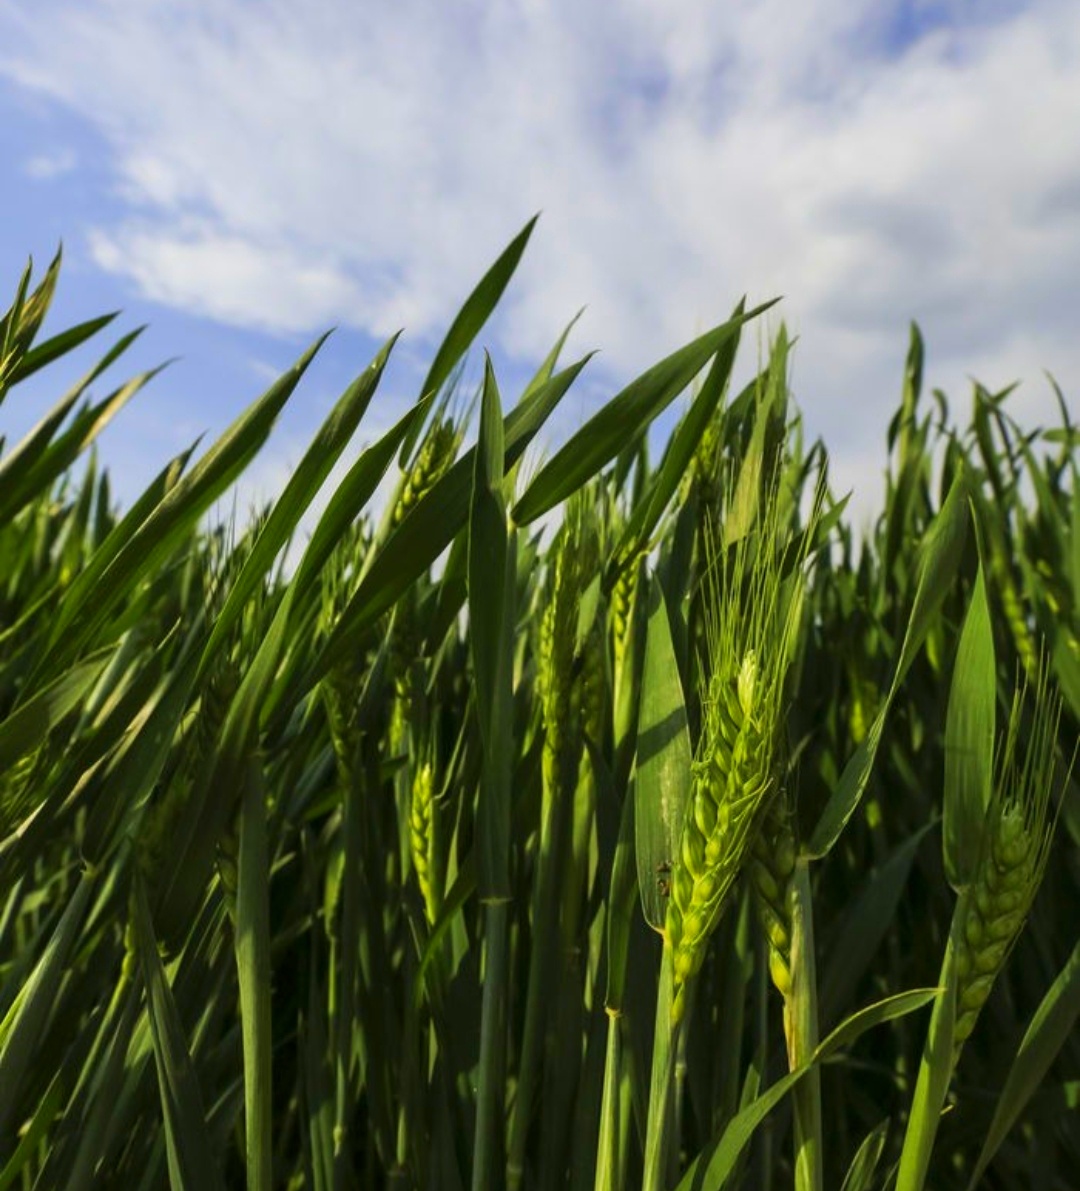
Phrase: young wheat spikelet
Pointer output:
(1016, 840)
(130, 963)
(406, 642)
(623, 595)
(227, 859)
(1015, 614)
(433, 460)
(575, 563)
(751, 633)
(771, 869)
(591, 702)
(422, 835)
(706, 466)
(730, 782)
(339, 698)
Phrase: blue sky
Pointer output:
(243, 174)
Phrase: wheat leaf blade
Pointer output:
(1050, 1028)
(192, 1165)
(661, 782)
(624, 416)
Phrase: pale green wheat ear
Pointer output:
(753, 615)
(422, 811)
(433, 460)
(774, 850)
(1017, 833)
(575, 562)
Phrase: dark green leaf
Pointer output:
(969, 740)
(192, 1163)
(491, 575)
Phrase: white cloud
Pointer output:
(44, 167)
(270, 286)
(287, 167)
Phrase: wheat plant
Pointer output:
(625, 819)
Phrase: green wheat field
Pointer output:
(608, 819)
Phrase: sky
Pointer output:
(241, 175)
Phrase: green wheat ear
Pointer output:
(774, 850)
(1016, 841)
(422, 811)
(754, 611)
(433, 460)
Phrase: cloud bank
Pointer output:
(285, 167)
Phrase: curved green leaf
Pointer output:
(1050, 1028)
(431, 526)
(941, 555)
(737, 1134)
(22, 1027)
(662, 775)
(647, 512)
(470, 319)
(304, 482)
(622, 419)
(863, 1166)
(192, 1165)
